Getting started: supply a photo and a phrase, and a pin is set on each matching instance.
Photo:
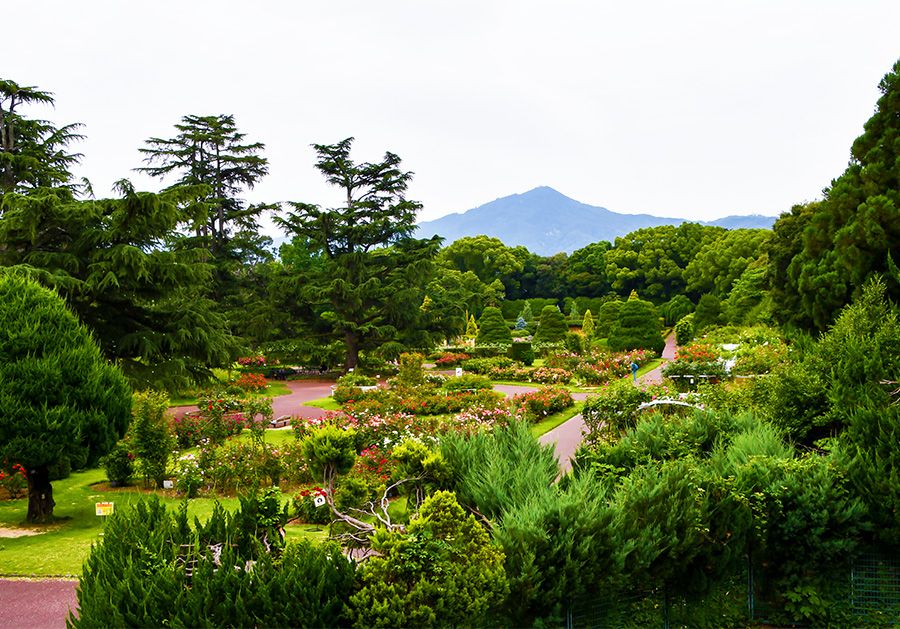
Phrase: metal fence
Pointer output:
(867, 593)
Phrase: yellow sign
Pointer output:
(104, 508)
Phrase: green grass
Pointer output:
(552, 421)
(649, 366)
(64, 545)
(326, 403)
(275, 389)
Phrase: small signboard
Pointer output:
(458, 372)
(104, 508)
(319, 500)
(168, 484)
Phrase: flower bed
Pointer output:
(536, 405)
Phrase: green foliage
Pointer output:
(653, 260)
(143, 300)
(861, 350)
(574, 342)
(522, 351)
(684, 330)
(466, 382)
(720, 262)
(411, 374)
(330, 451)
(552, 327)
(492, 328)
(607, 317)
(493, 472)
(749, 301)
(676, 309)
(614, 410)
(118, 465)
(210, 151)
(707, 314)
(526, 313)
(60, 398)
(471, 327)
(355, 379)
(32, 152)
(442, 571)
(825, 252)
(557, 544)
(637, 328)
(871, 445)
(587, 326)
(372, 282)
(152, 568)
(151, 439)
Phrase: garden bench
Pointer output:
(281, 422)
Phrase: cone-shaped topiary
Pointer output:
(59, 398)
(637, 327)
(492, 328)
(552, 327)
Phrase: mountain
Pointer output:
(547, 222)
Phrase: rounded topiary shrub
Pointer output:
(61, 399)
(552, 328)
(492, 329)
(522, 352)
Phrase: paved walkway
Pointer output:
(567, 437)
(290, 404)
(36, 604)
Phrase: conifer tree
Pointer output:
(552, 327)
(492, 328)
(587, 325)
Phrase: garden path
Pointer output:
(290, 404)
(567, 437)
(36, 603)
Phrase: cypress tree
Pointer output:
(587, 325)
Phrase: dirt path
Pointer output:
(36, 603)
(290, 404)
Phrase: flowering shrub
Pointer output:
(485, 365)
(14, 481)
(252, 382)
(478, 417)
(451, 360)
(252, 361)
(536, 405)
(551, 375)
(306, 509)
(240, 465)
(193, 427)
(759, 359)
(697, 353)
(375, 463)
(597, 367)
(188, 476)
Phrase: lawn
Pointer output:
(275, 389)
(552, 421)
(326, 403)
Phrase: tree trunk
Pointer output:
(40, 495)
(352, 358)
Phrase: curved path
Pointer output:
(567, 437)
(36, 603)
(290, 404)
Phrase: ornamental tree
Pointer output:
(637, 328)
(492, 328)
(444, 571)
(373, 274)
(59, 398)
(552, 327)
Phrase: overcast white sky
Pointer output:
(689, 109)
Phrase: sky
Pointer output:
(681, 109)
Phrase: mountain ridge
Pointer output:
(521, 219)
